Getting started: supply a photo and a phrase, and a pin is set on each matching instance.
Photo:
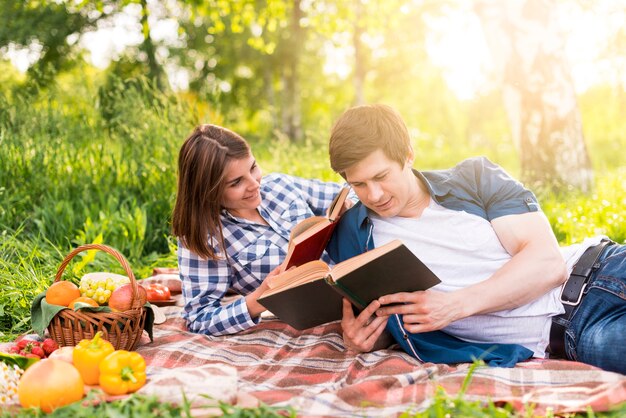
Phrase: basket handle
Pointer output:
(112, 251)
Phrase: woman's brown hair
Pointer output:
(201, 169)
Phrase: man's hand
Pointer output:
(360, 334)
(423, 311)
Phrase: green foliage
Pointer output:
(82, 177)
(604, 125)
(445, 405)
(47, 25)
(575, 216)
(141, 406)
(26, 269)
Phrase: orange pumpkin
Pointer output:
(49, 384)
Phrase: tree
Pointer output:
(48, 25)
(538, 92)
(290, 47)
(52, 24)
(245, 58)
(155, 72)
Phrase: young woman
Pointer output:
(233, 227)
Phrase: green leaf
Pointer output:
(20, 361)
(87, 258)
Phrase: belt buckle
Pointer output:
(580, 296)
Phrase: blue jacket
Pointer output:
(476, 186)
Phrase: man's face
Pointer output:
(383, 185)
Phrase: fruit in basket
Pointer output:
(83, 299)
(62, 293)
(121, 297)
(100, 286)
(49, 384)
(87, 356)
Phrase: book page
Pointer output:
(304, 226)
(296, 276)
(337, 204)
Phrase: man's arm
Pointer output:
(535, 268)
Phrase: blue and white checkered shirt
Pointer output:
(253, 251)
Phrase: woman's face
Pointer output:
(242, 184)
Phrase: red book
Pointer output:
(309, 237)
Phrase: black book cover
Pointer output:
(391, 268)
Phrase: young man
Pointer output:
(508, 291)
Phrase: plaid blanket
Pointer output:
(311, 371)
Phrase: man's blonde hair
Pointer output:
(362, 130)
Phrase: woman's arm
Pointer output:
(318, 194)
(205, 283)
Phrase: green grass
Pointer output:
(442, 405)
(75, 170)
(574, 216)
(141, 406)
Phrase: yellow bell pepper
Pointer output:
(87, 356)
(122, 372)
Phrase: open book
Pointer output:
(309, 238)
(310, 295)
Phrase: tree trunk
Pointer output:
(270, 94)
(291, 118)
(538, 92)
(154, 70)
(359, 56)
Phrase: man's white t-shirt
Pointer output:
(463, 249)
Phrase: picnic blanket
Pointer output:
(312, 372)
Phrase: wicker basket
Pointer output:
(122, 329)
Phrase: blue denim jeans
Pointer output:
(596, 334)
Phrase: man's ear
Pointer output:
(410, 158)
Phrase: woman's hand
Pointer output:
(255, 308)
(347, 204)
(362, 334)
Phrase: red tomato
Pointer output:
(158, 292)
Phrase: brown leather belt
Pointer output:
(571, 296)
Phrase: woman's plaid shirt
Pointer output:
(253, 251)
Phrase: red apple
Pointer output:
(121, 298)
